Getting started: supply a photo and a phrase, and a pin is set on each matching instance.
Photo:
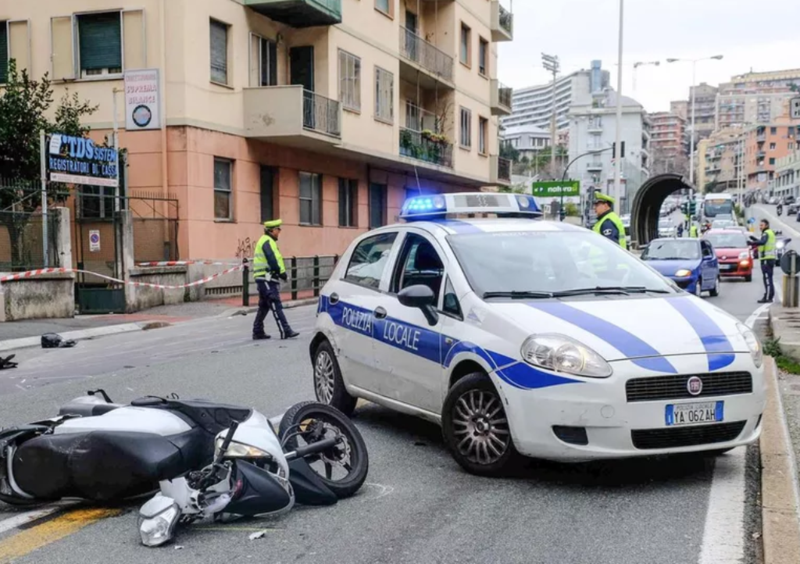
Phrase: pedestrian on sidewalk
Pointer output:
(767, 257)
(268, 269)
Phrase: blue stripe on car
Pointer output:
(639, 352)
(714, 340)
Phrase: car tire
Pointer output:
(698, 288)
(469, 430)
(715, 290)
(328, 383)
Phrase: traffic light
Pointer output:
(684, 208)
(614, 150)
(692, 207)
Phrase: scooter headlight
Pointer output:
(159, 529)
(560, 353)
(756, 352)
(239, 450)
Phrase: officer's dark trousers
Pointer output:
(269, 296)
(767, 271)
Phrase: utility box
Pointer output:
(790, 266)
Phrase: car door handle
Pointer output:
(380, 313)
(334, 299)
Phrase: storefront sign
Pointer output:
(142, 99)
(78, 160)
(94, 240)
(567, 188)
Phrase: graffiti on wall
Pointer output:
(244, 249)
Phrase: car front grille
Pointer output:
(675, 387)
(672, 437)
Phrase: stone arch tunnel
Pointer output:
(646, 208)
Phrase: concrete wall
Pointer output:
(138, 298)
(43, 297)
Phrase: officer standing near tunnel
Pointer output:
(268, 268)
(609, 225)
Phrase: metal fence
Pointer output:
(321, 114)
(306, 274)
(416, 145)
(505, 95)
(434, 60)
(155, 227)
(21, 241)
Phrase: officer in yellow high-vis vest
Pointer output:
(268, 269)
(609, 225)
(767, 256)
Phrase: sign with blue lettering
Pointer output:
(78, 160)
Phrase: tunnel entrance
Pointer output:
(646, 208)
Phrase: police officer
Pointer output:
(767, 256)
(609, 225)
(693, 230)
(268, 267)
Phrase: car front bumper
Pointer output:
(552, 422)
(688, 283)
(735, 268)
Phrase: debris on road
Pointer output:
(258, 535)
(6, 362)
(56, 341)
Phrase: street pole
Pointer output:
(43, 157)
(619, 156)
(551, 64)
(691, 141)
(116, 147)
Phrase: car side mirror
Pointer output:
(420, 297)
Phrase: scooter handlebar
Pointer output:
(226, 442)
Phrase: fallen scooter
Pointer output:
(207, 460)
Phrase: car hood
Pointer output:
(731, 253)
(641, 329)
(670, 267)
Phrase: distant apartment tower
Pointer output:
(527, 139)
(705, 110)
(787, 176)
(680, 108)
(720, 159)
(533, 106)
(755, 97)
(668, 136)
(765, 145)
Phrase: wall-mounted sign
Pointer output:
(142, 99)
(78, 160)
(94, 240)
(557, 189)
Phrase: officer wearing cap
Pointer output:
(609, 225)
(268, 267)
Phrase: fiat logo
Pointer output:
(694, 386)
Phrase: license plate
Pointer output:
(727, 267)
(694, 413)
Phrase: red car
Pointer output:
(733, 252)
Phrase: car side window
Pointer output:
(706, 249)
(419, 263)
(369, 261)
(450, 304)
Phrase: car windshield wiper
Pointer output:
(610, 290)
(518, 295)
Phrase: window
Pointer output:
(464, 50)
(100, 43)
(466, 128)
(219, 52)
(263, 62)
(383, 6)
(773, 146)
(773, 130)
(483, 57)
(349, 81)
(369, 260)
(483, 134)
(348, 202)
(267, 193)
(419, 265)
(310, 198)
(451, 305)
(96, 202)
(384, 95)
(3, 53)
(223, 169)
(377, 205)
(772, 161)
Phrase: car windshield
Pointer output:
(727, 240)
(665, 224)
(542, 263)
(672, 249)
(713, 208)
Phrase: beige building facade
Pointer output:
(325, 113)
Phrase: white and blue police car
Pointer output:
(528, 337)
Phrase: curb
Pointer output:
(81, 334)
(244, 310)
(779, 489)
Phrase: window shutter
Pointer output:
(219, 52)
(19, 44)
(3, 53)
(100, 38)
(135, 44)
(62, 55)
(272, 49)
(255, 54)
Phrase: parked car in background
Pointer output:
(733, 252)
(666, 228)
(723, 223)
(690, 263)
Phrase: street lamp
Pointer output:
(552, 64)
(694, 81)
(620, 157)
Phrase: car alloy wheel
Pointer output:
(698, 288)
(481, 427)
(324, 377)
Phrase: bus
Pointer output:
(718, 206)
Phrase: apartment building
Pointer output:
(756, 97)
(705, 108)
(680, 108)
(765, 144)
(527, 139)
(668, 134)
(787, 176)
(325, 113)
(720, 160)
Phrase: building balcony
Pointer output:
(299, 13)
(293, 115)
(416, 54)
(500, 173)
(594, 167)
(501, 98)
(429, 148)
(502, 23)
(595, 127)
(761, 137)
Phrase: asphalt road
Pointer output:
(418, 505)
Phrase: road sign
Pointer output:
(567, 188)
(94, 241)
(794, 105)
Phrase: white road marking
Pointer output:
(756, 315)
(20, 519)
(723, 533)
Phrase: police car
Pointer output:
(526, 337)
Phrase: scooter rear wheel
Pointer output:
(308, 422)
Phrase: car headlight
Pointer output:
(779, 245)
(753, 344)
(744, 255)
(560, 353)
(682, 273)
(239, 450)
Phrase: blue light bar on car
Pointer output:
(438, 206)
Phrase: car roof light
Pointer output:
(439, 206)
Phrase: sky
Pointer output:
(758, 35)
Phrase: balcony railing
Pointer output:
(503, 169)
(594, 166)
(423, 146)
(502, 22)
(425, 54)
(299, 13)
(321, 114)
(506, 20)
(505, 94)
(420, 119)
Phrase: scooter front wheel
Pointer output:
(343, 467)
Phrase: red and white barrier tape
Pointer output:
(41, 271)
(185, 263)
